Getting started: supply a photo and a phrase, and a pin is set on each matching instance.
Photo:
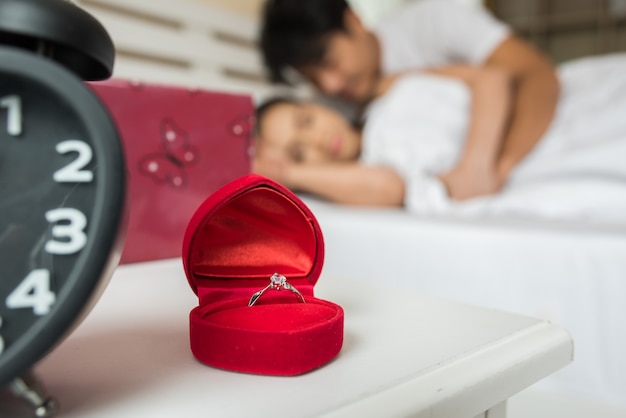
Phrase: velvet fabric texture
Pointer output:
(242, 234)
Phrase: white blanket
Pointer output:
(576, 172)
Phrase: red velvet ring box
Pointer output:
(240, 236)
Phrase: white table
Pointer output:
(404, 355)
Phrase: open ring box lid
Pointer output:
(239, 236)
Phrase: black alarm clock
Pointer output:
(62, 178)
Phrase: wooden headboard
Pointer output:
(179, 42)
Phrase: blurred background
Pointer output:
(567, 29)
(564, 29)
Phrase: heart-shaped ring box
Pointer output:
(239, 236)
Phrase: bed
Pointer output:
(567, 273)
(572, 273)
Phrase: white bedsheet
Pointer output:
(577, 171)
(571, 274)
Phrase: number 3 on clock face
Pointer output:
(62, 207)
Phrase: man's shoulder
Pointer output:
(418, 9)
(426, 6)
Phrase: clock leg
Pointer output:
(29, 389)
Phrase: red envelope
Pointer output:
(180, 146)
(239, 237)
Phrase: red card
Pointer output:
(180, 146)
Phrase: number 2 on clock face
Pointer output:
(67, 224)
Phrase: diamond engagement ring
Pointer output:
(277, 282)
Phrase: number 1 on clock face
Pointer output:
(13, 105)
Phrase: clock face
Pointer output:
(62, 205)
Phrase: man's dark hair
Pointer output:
(294, 32)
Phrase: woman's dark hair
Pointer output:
(294, 32)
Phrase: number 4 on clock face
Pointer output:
(33, 292)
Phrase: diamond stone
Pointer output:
(278, 281)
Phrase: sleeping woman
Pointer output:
(427, 133)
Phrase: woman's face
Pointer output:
(308, 133)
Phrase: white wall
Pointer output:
(246, 7)
(369, 10)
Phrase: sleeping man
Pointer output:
(325, 42)
(423, 124)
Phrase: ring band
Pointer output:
(277, 282)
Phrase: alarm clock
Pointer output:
(62, 178)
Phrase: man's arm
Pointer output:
(351, 183)
(536, 96)
(475, 173)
